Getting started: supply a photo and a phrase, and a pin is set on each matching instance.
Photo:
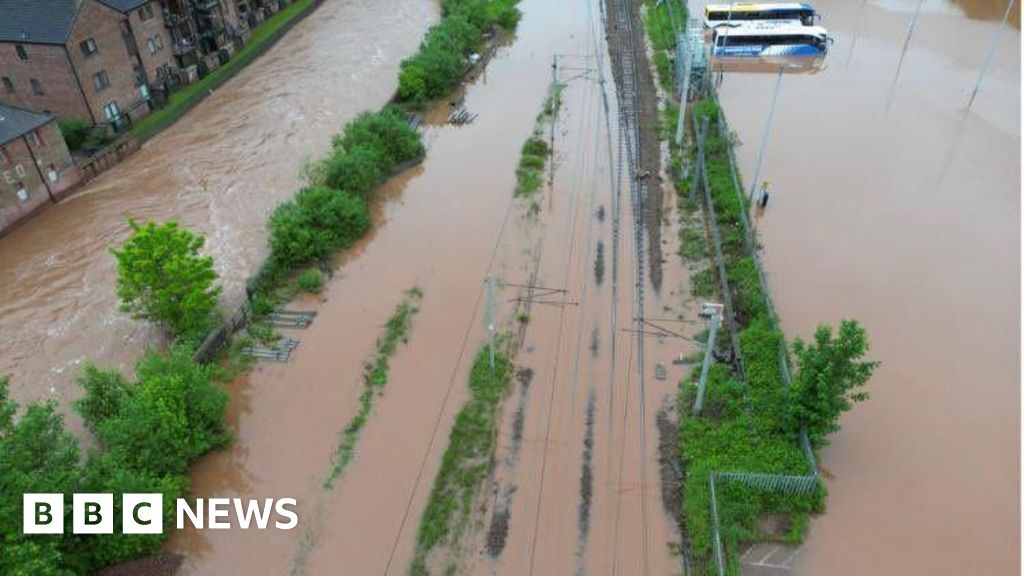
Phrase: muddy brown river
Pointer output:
(220, 170)
(894, 204)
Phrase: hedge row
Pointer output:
(443, 56)
(333, 212)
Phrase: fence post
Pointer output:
(708, 350)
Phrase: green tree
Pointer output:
(163, 277)
(109, 473)
(356, 171)
(830, 379)
(318, 221)
(36, 455)
(386, 132)
(174, 414)
(105, 394)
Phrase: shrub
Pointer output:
(311, 280)
(162, 277)
(439, 64)
(535, 147)
(318, 221)
(172, 415)
(386, 132)
(105, 394)
(356, 171)
(75, 132)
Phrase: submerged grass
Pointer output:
(375, 376)
(536, 152)
(466, 461)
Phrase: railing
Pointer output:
(107, 157)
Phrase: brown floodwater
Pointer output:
(220, 170)
(443, 227)
(895, 204)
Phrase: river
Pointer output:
(220, 170)
(895, 204)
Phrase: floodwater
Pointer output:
(220, 170)
(443, 227)
(895, 204)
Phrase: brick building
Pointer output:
(92, 59)
(35, 165)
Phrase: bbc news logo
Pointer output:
(144, 513)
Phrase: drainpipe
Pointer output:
(78, 81)
(35, 162)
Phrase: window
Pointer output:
(100, 81)
(88, 47)
(8, 84)
(22, 55)
(36, 86)
(151, 43)
(146, 13)
(5, 157)
(111, 111)
(35, 139)
(159, 42)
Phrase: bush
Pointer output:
(162, 277)
(75, 132)
(172, 415)
(356, 171)
(311, 280)
(385, 132)
(536, 147)
(318, 221)
(439, 64)
(105, 394)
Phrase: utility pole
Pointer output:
(764, 137)
(489, 316)
(698, 171)
(991, 52)
(714, 313)
(683, 66)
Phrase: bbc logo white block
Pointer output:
(142, 514)
(92, 514)
(42, 513)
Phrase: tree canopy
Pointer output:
(163, 277)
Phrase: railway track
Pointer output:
(625, 41)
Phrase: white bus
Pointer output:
(738, 13)
(770, 39)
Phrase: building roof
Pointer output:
(125, 5)
(37, 21)
(15, 122)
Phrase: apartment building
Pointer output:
(93, 59)
(35, 165)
